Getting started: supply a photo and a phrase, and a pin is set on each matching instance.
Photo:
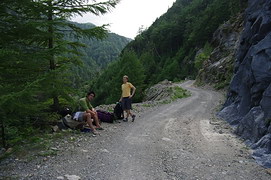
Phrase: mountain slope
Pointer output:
(167, 49)
(217, 65)
(103, 51)
(173, 39)
(96, 55)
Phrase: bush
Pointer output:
(203, 56)
(179, 93)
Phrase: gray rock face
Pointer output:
(249, 99)
(218, 69)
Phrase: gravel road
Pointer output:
(181, 140)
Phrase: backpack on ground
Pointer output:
(105, 116)
(69, 122)
(118, 111)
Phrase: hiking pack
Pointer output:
(69, 122)
(118, 111)
(105, 116)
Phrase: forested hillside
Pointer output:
(167, 49)
(96, 55)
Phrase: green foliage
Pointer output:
(187, 26)
(170, 71)
(176, 93)
(167, 49)
(224, 78)
(36, 59)
(131, 66)
(96, 55)
(49, 152)
(179, 93)
(108, 85)
(147, 105)
(38, 144)
(203, 56)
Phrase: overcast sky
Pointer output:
(129, 15)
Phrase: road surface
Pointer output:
(181, 140)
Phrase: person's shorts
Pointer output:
(80, 116)
(126, 103)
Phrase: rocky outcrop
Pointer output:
(248, 105)
(217, 70)
(158, 92)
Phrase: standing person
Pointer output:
(89, 114)
(126, 97)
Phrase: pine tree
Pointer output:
(56, 14)
(35, 56)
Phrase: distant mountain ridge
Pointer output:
(96, 55)
(103, 51)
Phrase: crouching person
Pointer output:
(88, 114)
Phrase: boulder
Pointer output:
(251, 126)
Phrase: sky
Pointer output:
(129, 16)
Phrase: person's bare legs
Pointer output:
(132, 115)
(129, 113)
(96, 120)
(87, 118)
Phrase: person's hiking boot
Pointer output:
(125, 119)
(133, 118)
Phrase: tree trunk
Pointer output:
(51, 46)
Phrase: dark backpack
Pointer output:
(65, 111)
(118, 111)
(105, 116)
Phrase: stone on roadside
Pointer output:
(54, 149)
(72, 177)
(55, 128)
(165, 139)
(9, 150)
(104, 150)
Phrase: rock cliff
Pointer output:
(248, 104)
(217, 70)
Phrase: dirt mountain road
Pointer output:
(180, 140)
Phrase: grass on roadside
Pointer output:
(38, 145)
(176, 92)
(179, 93)
(148, 105)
